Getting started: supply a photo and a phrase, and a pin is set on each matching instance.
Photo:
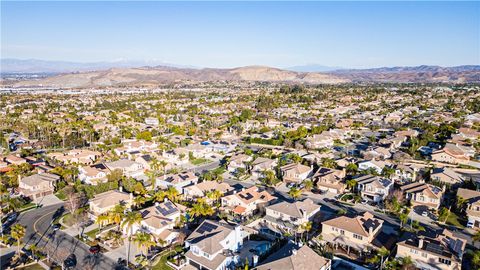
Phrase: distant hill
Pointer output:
(418, 74)
(10, 65)
(312, 68)
(157, 75)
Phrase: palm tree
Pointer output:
(17, 232)
(351, 184)
(117, 213)
(407, 263)
(460, 203)
(214, 194)
(295, 193)
(476, 237)
(383, 252)
(103, 220)
(131, 218)
(144, 241)
(138, 201)
(308, 185)
(172, 194)
(201, 208)
(306, 227)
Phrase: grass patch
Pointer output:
(61, 195)
(199, 161)
(162, 264)
(92, 233)
(28, 206)
(33, 267)
(455, 220)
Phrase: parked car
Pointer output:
(94, 249)
(470, 224)
(424, 214)
(56, 226)
(70, 262)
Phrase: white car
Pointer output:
(425, 214)
(470, 224)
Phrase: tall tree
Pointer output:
(131, 218)
(18, 232)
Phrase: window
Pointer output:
(424, 254)
(356, 236)
(413, 251)
(444, 261)
(342, 232)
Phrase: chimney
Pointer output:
(370, 230)
(420, 242)
(120, 188)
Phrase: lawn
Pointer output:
(455, 220)
(33, 267)
(199, 161)
(162, 264)
(92, 233)
(61, 195)
(28, 206)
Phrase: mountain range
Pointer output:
(156, 75)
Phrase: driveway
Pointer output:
(48, 200)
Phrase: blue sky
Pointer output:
(229, 34)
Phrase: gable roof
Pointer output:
(208, 235)
(295, 209)
(36, 179)
(289, 257)
(359, 225)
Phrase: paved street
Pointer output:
(58, 245)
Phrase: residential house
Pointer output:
(128, 167)
(214, 246)
(374, 164)
(200, 190)
(454, 154)
(178, 180)
(422, 194)
(374, 188)
(443, 252)
(106, 201)
(93, 174)
(404, 173)
(78, 156)
(145, 160)
(238, 161)
(134, 148)
(446, 175)
(291, 257)
(472, 199)
(295, 172)
(261, 164)
(330, 180)
(317, 141)
(15, 160)
(199, 150)
(177, 156)
(38, 186)
(357, 232)
(159, 220)
(290, 216)
(247, 202)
